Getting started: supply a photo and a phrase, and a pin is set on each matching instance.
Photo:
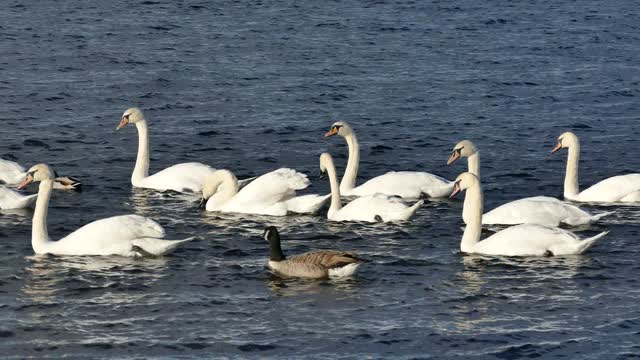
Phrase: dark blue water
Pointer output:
(252, 86)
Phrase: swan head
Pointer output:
(39, 172)
(326, 161)
(215, 182)
(132, 115)
(339, 128)
(464, 148)
(566, 141)
(463, 182)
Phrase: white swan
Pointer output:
(622, 188)
(11, 173)
(186, 177)
(371, 208)
(541, 210)
(128, 235)
(406, 184)
(273, 193)
(10, 199)
(519, 240)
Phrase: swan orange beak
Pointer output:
(123, 122)
(456, 189)
(333, 131)
(454, 156)
(28, 180)
(558, 147)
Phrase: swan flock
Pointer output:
(393, 197)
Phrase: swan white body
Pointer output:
(186, 177)
(371, 208)
(541, 210)
(406, 184)
(10, 199)
(128, 235)
(273, 194)
(623, 188)
(520, 240)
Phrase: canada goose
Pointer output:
(315, 264)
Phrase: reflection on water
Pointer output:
(48, 277)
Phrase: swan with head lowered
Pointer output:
(370, 208)
(11, 173)
(519, 240)
(622, 188)
(273, 194)
(186, 177)
(542, 210)
(406, 184)
(317, 264)
(128, 235)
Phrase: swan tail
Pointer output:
(307, 204)
(244, 182)
(157, 247)
(587, 243)
(344, 271)
(411, 211)
(597, 217)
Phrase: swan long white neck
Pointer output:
(473, 203)
(473, 163)
(571, 185)
(351, 172)
(141, 171)
(336, 203)
(39, 234)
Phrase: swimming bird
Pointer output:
(315, 264)
(10, 199)
(405, 184)
(519, 240)
(370, 208)
(622, 188)
(185, 177)
(543, 210)
(127, 235)
(273, 193)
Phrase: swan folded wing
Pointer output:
(367, 208)
(406, 184)
(612, 189)
(10, 199)
(11, 172)
(307, 204)
(527, 239)
(158, 247)
(186, 177)
(536, 210)
(105, 233)
(273, 187)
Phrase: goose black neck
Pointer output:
(274, 245)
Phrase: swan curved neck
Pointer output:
(39, 234)
(351, 172)
(473, 203)
(336, 204)
(571, 185)
(213, 190)
(141, 171)
(473, 163)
